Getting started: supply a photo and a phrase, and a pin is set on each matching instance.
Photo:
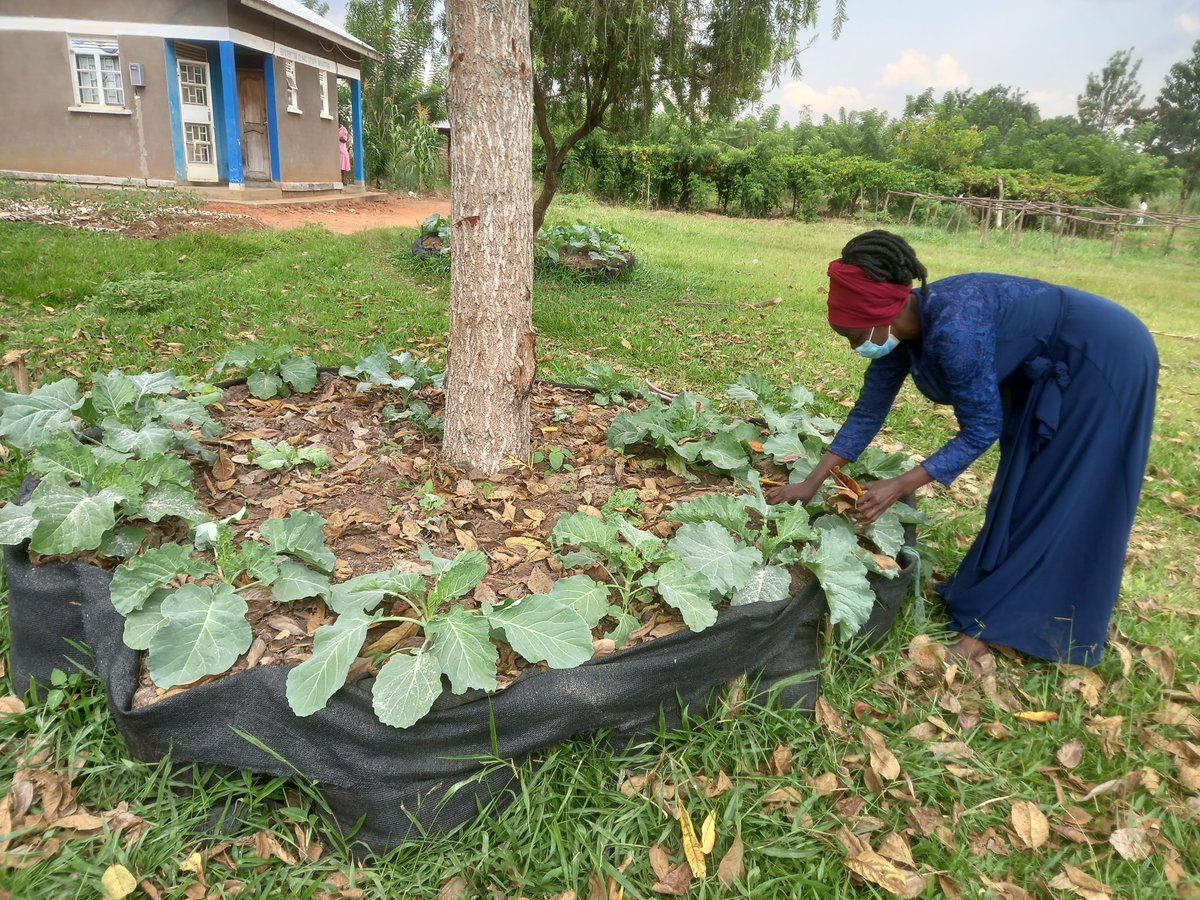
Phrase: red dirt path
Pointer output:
(344, 216)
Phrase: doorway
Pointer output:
(256, 143)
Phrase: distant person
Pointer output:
(344, 151)
(1065, 380)
(1142, 207)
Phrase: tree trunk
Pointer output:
(549, 188)
(490, 371)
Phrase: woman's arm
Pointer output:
(880, 386)
(804, 491)
(881, 383)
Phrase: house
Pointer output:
(234, 94)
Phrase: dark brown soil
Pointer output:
(388, 491)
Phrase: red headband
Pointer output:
(856, 300)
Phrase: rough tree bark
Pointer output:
(489, 375)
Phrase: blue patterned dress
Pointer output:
(1066, 381)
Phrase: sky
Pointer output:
(889, 49)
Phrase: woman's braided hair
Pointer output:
(885, 257)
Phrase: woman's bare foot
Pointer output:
(967, 647)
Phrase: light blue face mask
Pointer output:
(871, 350)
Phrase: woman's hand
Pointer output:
(790, 493)
(876, 497)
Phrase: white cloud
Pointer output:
(1188, 22)
(798, 95)
(916, 68)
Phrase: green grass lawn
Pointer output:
(978, 799)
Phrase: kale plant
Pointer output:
(271, 371)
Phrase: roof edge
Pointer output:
(328, 31)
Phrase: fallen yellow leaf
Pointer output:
(194, 863)
(692, 850)
(117, 883)
(708, 832)
(1036, 715)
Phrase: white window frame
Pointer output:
(325, 105)
(96, 50)
(293, 87)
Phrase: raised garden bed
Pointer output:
(388, 502)
(579, 248)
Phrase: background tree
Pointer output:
(320, 7)
(489, 375)
(1106, 106)
(598, 62)
(1177, 122)
(397, 104)
(936, 135)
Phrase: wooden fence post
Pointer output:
(1016, 229)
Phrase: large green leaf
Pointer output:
(580, 529)
(301, 535)
(767, 584)
(377, 369)
(406, 688)
(843, 575)
(161, 470)
(887, 532)
(752, 387)
(365, 592)
(178, 410)
(134, 582)
(624, 431)
(300, 372)
(786, 448)
(147, 441)
(30, 420)
(297, 581)
(204, 634)
(66, 455)
(335, 646)
(726, 511)
(123, 543)
(586, 596)
(69, 518)
(113, 394)
(650, 547)
(143, 624)
(709, 549)
(259, 562)
(264, 385)
(170, 500)
(16, 523)
(540, 628)
(791, 526)
(686, 590)
(464, 572)
(154, 383)
(461, 641)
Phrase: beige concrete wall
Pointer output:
(308, 144)
(44, 135)
(47, 137)
(177, 12)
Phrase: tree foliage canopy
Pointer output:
(396, 102)
(1177, 117)
(1108, 101)
(611, 62)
